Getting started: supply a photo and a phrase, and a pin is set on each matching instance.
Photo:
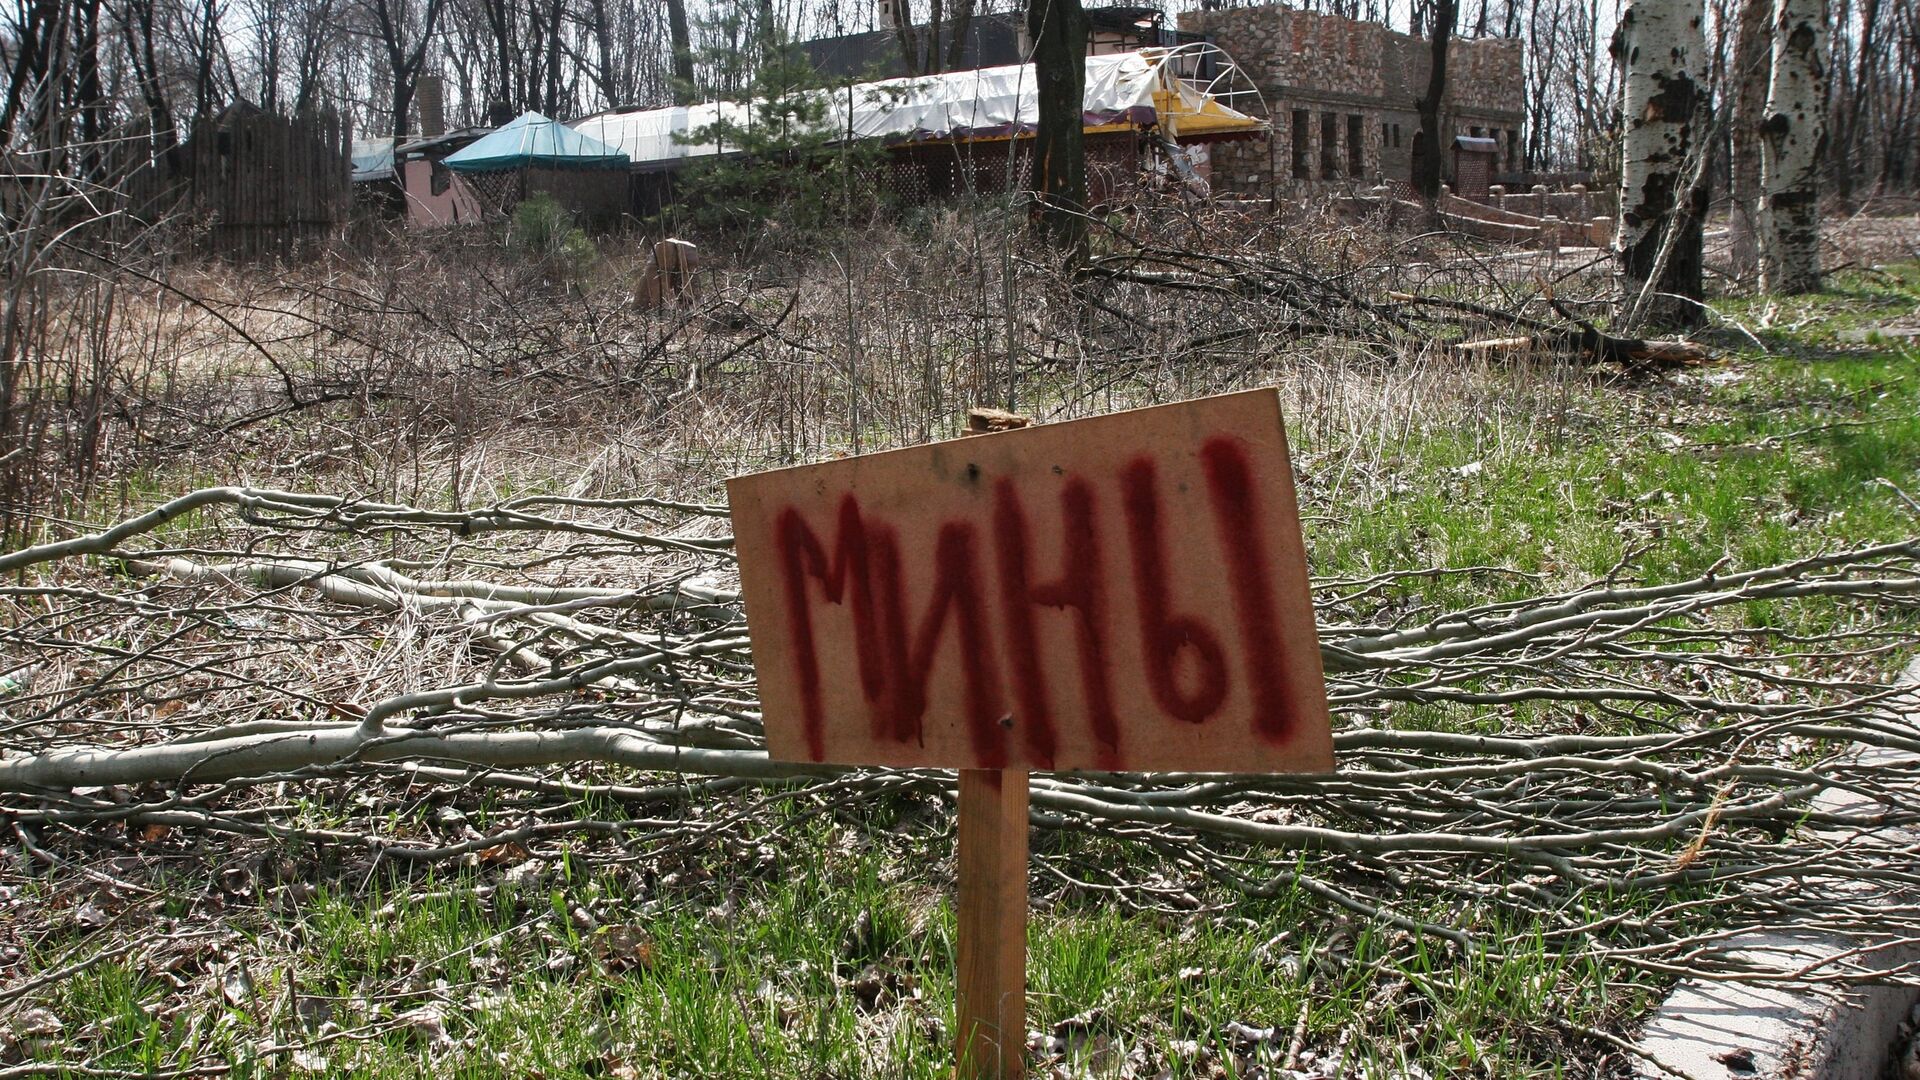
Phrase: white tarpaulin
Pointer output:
(983, 103)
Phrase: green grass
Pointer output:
(1754, 460)
(832, 960)
(822, 946)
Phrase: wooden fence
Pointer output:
(267, 185)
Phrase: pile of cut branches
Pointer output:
(1269, 294)
(1640, 768)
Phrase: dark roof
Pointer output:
(1475, 144)
(992, 40)
(440, 146)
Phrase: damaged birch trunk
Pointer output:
(1792, 144)
(1661, 50)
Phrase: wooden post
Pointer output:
(990, 998)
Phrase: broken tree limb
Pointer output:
(1583, 337)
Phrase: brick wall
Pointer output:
(1366, 78)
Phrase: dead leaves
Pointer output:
(623, 949)
(1092, 1046)
(880, 986)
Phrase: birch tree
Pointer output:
(1792, 144)
(1661, 50)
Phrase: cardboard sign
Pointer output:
(1127, 592)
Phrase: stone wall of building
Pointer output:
(1340, 94)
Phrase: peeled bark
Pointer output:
(1059, 32)
(1792, 145)
(1752, 66)
(1662, 53)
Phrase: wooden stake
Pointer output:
(990, 1000)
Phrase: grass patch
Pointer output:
(798, 939)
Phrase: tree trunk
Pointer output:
(29, 62)
(402, 105)
(1856, 143)
(1058, 29)
(931, 42)
(313, 49)
(1751, 67)
(556, 94)
(95, 110)
(605, 76)
(206, 51)
(768, 36)
(905, 37)
(1660, 48)
(957, 29)
(1794, 142)
(682, 42)
(137, 29)
(1426, 157)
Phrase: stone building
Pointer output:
(1340, 95)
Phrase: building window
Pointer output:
(1300, 146)
(1329, 146)
(1396, 136)
(1356, 146)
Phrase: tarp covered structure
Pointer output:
(1124, 90)
(534, 140)
(372, 160)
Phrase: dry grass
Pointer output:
(445, 371)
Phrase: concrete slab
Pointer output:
(1713, 1030)
(1719, 1030)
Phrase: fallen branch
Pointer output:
(242, 656)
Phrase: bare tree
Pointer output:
(1058, 29)
(957, 27)
(205, 43)
(1427, 151)
(140, 27)
(681, 43)
(36, 34)
(312, 51)
(1543, 44)
(1794, 141)
(940, 44)
(404, 40)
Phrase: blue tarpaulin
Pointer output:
(536, 140)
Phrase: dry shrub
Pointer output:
(445, 369)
